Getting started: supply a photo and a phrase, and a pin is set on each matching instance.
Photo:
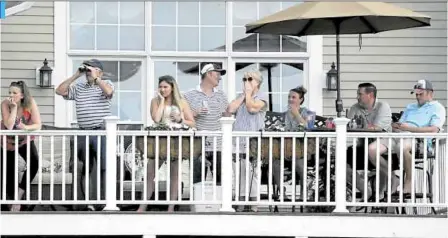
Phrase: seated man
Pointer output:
(425, 116)
(378, 116)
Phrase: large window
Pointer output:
(141, 41)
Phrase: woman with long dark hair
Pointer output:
(19, 112)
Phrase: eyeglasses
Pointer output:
(247, 79)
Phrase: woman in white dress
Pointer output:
(170, 108)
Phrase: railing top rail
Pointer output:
(397, 135)
(54, 132)
(281, 134)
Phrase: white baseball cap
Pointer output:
(212, 67)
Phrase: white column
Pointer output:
(341, 164)
(226, 164)
(111, 164)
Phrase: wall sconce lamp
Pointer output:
(332, 75)
(44, 76)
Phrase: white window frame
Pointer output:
(314, 75)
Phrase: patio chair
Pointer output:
(419, 165)
(275, 121)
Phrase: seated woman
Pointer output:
(250, 108)
(170, 108)
(294, 117)
(19, 112)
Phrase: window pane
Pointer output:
(269, 43)
(82, 37)
(294, 44)
(163, 13)
(163, 38)
(188, 78)
(188, 13)
(244, 12)
(110, 71)
(188, 39)
(107, 38)
(82, 12)
(286, 5)
(130, 75)
(114, 105)
(132, 38)
(243, 42)
(292, 76)
(130, 106)
(268, 8)
(213, 39)
(107, 12)
(213, 13)
(132, 13)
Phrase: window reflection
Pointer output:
(278, 79)
(198, 26)
(246, 12)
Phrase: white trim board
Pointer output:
(18, 8)
(223, 224)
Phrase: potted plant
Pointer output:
(277, 143)
(174, 143)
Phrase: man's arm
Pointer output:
(383, 119)
(106, 86)
(64, 88)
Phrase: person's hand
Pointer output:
(11, 103)
(294, 111)
(160, 97)
(94, 72)
(22, 126)
(248, 88)
(396, 125)
(200, 111)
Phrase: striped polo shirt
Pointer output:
(217, 104)
(91, 103)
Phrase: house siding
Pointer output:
(392, 60)
(27, 39)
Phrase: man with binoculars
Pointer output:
(92, 97)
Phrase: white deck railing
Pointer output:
(270, 172)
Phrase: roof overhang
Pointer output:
(14, 7)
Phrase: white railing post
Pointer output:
(341, 164)
(226, 164)
(111, 163)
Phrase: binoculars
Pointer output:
(83, 69)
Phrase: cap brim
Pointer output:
(221, 71)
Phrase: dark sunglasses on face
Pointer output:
(247, 79)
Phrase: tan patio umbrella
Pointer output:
(335, 18)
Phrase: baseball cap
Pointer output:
(94, 63)
(422, 85)
(212, 67)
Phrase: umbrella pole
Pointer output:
(270, 87)
(339, 106)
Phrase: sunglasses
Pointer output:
(247, 79)
(18, 83)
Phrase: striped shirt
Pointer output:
(217, 104)
(91, 103)
(246, 121)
